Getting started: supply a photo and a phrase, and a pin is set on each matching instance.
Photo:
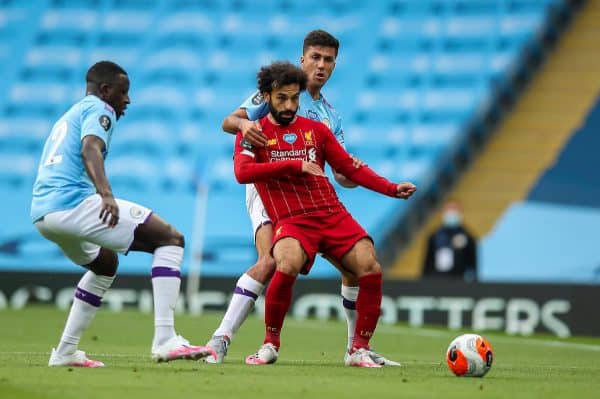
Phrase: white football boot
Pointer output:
(180, 348)
(361, 358)
(220, 344)
(77, 359)
(267, 354)
(377, 358)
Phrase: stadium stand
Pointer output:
(421, 77)
(534, 173)
(556, 222)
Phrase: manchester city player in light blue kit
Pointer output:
(73, 206)
(319, 53)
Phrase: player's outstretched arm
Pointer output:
(92, 148)
(405, 190)
(342, 162)
(343, 180)
(238, 121)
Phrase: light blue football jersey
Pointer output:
(62, 182)
(318, 110)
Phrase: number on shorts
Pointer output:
(58, 135)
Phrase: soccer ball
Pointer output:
(470, 355)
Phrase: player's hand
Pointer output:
(312, 168)
(252, 132)
(357, 163)
(405, 190)
(110, 211)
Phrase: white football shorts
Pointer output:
(80, 233)
(256, 209)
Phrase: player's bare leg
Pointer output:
(362, 261)
(248, 288)
(166, 244)
(289, 257)
(88, 297)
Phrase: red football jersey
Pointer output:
(276, 170)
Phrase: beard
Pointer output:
(282, 119)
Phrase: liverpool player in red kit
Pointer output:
(303, 205)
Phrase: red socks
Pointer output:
(368, 309)
(277, 302)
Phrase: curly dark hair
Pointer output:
(280, 73)
(320, 38)
(104, 72)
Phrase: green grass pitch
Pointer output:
(310, 363)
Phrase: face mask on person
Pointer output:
(452, 218)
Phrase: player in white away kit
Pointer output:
(73, 206)
(318, 61)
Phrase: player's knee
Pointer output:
(112, 266)
(375, 268)
(263, 269)
(106, 264)
(288, 268)
(267, 265)
(175, 238)
(370, 266)
(289, 264)
(179, 239)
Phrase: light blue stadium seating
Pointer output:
(411, 74)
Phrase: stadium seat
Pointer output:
(127, 57)
(23, 135)
(405, 85)
(18, 170)
(67, 27)
(52, 63)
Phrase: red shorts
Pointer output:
(333, 234)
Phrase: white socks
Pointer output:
(349, 295)
(88, 297)
(166, 281)
(246, 291)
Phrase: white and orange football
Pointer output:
(470, 355)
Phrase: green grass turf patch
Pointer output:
(310, 363)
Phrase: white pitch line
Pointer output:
(133, 355)
(240, 360)
(391, 330)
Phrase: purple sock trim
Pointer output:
(88, 297)
(160, 271)
(348, 304)
(242, 291)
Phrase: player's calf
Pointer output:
(263, 269)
